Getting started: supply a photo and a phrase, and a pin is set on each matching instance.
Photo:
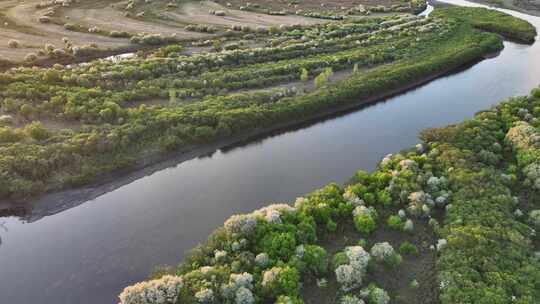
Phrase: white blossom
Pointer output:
(386, 160)
(205, 296)
(164, 290)
(235, 246)
(375, 295)
(441, 244)
(350, 299)
(300, 202)
(272, 213)
(262, 259)
(350, 275)
(242, 223)
(352, 199)
(408, 226)
(220, 255)
(206, 269)
(433, 183)
(534, 217)
(363, 210)
(270, 276)
(523, 136)
(241, 280)
(244, 296)
(408, 164)
(381, 251)
(300, 250)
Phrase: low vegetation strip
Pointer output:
(64, 127)
(451, 205)
(493, 21)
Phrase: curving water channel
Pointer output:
(86, 252)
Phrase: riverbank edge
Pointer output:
(52, 202)
(513, 7)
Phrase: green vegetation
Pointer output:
(197, 99)
(492, 21)
(484, 252)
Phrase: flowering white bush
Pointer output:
(164, 290)
(242, 223)
(273, 217)
(523, 136)
(350, 275)
(262, 259)
(408, 226)
(239, 288)
(300, 201)
(350, 299)
(206, 269)
(418, 200)
(270, 276)
(375, 295)
(205, 296)
(363, 210)
(534, 217)
(532, 171)
(244, 296)
(352, 199)
(386, 160)
(220, 255)
(241, 280)
(433, 183)
(408, 164)
(235, 246)
(300, 250)
(381, 251)
(272, 213)
(441, 243)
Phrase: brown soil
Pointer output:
(33, 35)
(394, 281)
(48, 123)
(199, 12)
(110, 19)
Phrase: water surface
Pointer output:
(88, 253)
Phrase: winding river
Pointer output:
(77, 251)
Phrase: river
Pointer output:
(87, 251)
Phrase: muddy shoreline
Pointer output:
(33, 208)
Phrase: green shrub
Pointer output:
(339, 259)
(365, 224)
(407, 248)
(395, 222)
(36, 131)
(283, 281)
(535, 92)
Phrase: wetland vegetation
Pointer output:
(66, 126)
